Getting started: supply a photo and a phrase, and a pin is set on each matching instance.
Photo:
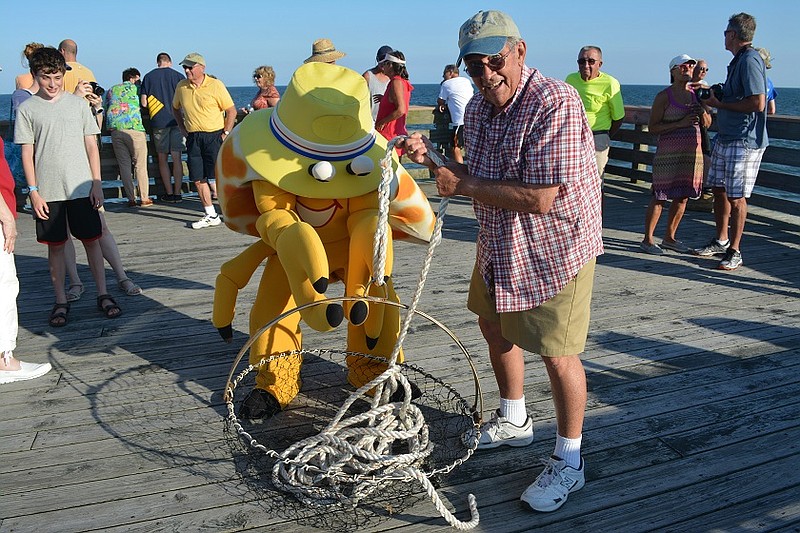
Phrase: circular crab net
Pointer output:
(335, 447)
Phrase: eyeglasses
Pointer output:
(726, 32)
(496, 62)
(187, 67)
(256, 76)
(703, 69)
(590, 60)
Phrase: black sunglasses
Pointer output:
(589, 60)
(495, 63)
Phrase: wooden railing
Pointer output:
(631, 153)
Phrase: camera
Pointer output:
(704, 93)
(96, 89)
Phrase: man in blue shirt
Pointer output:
(157, 91)
(741, 141)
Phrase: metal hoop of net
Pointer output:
(372, 441)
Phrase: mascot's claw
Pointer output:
(371, 343)
(321, 285)
(226, 332)
(259, 404)
(358, 313)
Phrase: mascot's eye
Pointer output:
(360, 166)
(322, 171)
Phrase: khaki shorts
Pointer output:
(169, 140)
(556, 328)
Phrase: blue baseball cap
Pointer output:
(485, 33)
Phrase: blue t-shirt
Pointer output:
(747, 76)
(772, 94)
(158, 86)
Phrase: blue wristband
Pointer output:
(32, 188)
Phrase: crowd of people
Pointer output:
(536, 150)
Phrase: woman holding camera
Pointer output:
(268, 95)
(676, 117)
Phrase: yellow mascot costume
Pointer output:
(303, 178)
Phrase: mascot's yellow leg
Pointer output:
(233, 276)
(281, 377)
(360, 369)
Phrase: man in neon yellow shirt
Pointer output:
(602, 100)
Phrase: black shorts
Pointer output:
(202, 148)
(458, 137)
(79, 215)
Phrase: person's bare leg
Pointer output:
(110, 251)
(204, 192)
(163, 171)
(55, 260)
(722, 213)
(507, 361)
(651, 217)
(676, 211)
(71, 263)
(177, 173)
(94, 255)
(568, 385)
(738, 217)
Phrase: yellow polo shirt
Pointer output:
(77, 72)
(202, 106)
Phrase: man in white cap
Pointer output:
(535, 189)
(206, 114)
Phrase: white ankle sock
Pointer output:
(569, 450)
(514, 410)
(723, 243)
(211, 211)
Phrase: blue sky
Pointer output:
(638, 38)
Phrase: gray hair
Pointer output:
(591, 47)
(744, 26)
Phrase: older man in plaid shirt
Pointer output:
(536, 193)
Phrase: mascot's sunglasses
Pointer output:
(495, 63)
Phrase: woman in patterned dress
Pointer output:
(676, 116)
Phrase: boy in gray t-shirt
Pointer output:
(62, 168)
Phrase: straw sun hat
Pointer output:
(323, 51)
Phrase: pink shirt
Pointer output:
(542, 137)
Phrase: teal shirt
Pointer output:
(123, 111)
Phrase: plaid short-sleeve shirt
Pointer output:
(542, 138)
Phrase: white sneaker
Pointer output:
(207, 221)
(500, 432)
(26, 371)
(553, 485)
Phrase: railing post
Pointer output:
(639, 128)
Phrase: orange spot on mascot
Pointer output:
(303, 178)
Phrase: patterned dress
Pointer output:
(678, 163)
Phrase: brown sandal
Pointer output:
(58, 318)
(111, 310)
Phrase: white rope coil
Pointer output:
(355, 455)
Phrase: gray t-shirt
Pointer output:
(56, 129)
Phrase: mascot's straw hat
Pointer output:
(323, 117)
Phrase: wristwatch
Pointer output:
(226, 132)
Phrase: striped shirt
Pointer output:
(542, 138)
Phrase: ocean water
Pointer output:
(425, 94)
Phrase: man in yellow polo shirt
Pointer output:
(205, 113)
(602, 100)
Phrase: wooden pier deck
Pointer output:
(693, 421)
